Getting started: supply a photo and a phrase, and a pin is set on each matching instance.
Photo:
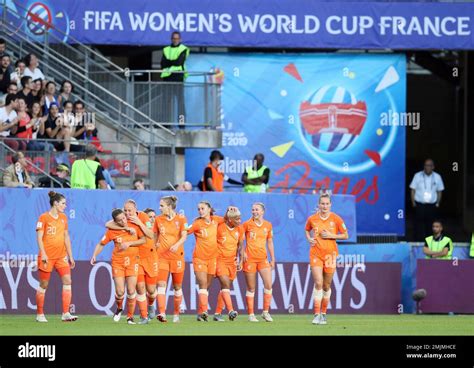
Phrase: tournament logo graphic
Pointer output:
(332, 118)
(38, 19)
(42, 19)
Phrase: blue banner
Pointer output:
(247, 23)
(322, 121)
(88, 211)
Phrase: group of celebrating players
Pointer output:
(149, 247)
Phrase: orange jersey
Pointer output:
(147, 249)
(168, 234)
(122, 236)
(333, 224)
(54, 234)
(256, 237)
(206, 237)
(228, 241)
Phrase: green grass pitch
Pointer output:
(25, 325)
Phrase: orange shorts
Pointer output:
(226, 268)
(174, 266)
(125, 266)
(148, 266)
(205, 265)
(327, 261)
(252, 266)
(61, 265)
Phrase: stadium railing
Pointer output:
(124, 166)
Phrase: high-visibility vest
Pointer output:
(83, 174)
(254, 174)
(172, 53)
(471, 251)
(437, 246)
(217, 180)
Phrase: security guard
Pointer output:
(173, 60)
(438, 245)
(256, 177)
(87, 173)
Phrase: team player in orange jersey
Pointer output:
(148, 258)
(230, 236)
(54, 253)
(125, 261)
(171, 232)
(322, 230)
(205, 253)
(258, 235)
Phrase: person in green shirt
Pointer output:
(87, 173)
(256, 177)
(438, 245)
(174, 67)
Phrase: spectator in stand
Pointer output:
(49, 96)
(24, 129)
(61, 178)
(3, 47)
(81, 118)
(57, 128)
(66, 92)
(88, 173)
(138, 184)
(37, 90)
(5, 72)
(184, 187)
(19, 72)
(32, 67)
(16, 175)
(27, 91)
(39, 130)
(213, 178)
(68, 108)
(12, 88)
(107, 176)
(9, 122)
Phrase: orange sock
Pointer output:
(161, 299)
(119, 302)
(267, 299)
(203, 300)
(178, 298)
(325, 302)
(250, 299)
(318, 296)
(131, 303)
(220, 303)
(67, 296)
(40, 300)
(151, 298)
(142, 305)
(227, 299)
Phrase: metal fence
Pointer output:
(192, 104)
(127, 162)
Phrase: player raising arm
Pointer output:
(322, 230)
(258, 235)
(148, 259)
(54, 253)
(125, 262)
